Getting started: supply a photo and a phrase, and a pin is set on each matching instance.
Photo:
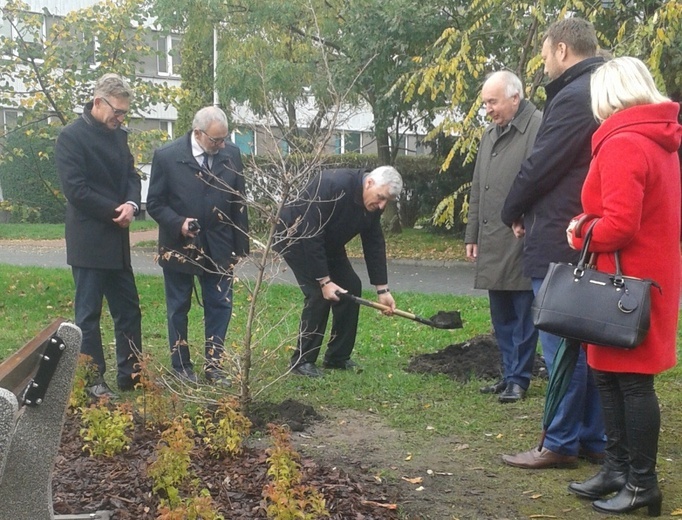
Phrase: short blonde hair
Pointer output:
(622, 83)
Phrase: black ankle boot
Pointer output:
(630, 498)
(603, 483)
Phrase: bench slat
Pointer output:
(18, 369)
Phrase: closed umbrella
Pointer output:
(559, 378)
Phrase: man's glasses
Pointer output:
(117, 111)
(216, 140)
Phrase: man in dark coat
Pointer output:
(335, 206)
(490, 243)
(196, 194)
(541, 202)
(102, 190)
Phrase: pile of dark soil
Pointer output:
(477, 358)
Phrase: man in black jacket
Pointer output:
(335, 206)
(541, 202)
(196, 194)
(102, 191)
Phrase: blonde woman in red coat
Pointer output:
(633, 185)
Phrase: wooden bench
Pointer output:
(35, 385)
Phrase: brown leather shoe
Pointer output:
(540, 459)
(593, 457)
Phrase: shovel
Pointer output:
(442, 320)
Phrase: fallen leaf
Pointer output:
(420, 488)
(415, 480)
(409, 456)
(377, 504)
(536, 496)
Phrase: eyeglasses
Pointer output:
(216, 140)
(117, 111)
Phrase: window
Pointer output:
(28, 36)
(283, 147)
(352, 143)
(145, 125)
(9, 119)
(168, 59)
(245, 140)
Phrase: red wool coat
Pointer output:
(634, 186)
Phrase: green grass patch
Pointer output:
(53, 231)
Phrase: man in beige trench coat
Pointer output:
(490, 243)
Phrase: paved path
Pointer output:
(404, 275)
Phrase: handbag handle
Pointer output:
(618, 279)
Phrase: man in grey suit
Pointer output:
(196, 194)
(102, 191)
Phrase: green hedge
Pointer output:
(29, 180)
(424, 183)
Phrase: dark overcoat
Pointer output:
(546, 192)
(179, 189)
(327, 215)
(98, 174)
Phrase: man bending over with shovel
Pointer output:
(314, 229)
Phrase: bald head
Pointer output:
(502, 94)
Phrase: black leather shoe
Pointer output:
(307, 369)
(497, 388)
(512, 393)
(217, 377)
(630, 498)
(604, 483)
(186, 375)
(101, 390)
(349, 364)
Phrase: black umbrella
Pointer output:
(559, 378)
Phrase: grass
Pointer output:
(53, 231)
(411, 243)
(425, 408)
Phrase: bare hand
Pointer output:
(387, 300)
(329, 292)
(185, 228)
(126, 214)
(570, 230)
(518, 229)
(472, 252)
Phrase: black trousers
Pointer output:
(118, 287)
(632, 420)
(316, 312)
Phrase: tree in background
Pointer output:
(193, 19)
(45, 75)
(493, 34)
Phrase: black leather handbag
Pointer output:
(581, 303)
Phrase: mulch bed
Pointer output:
(84, 484)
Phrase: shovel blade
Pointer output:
(447, 320)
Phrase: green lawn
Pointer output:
(426, 409)
(411, 243)
(53, 231)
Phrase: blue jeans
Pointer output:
(516, 335)
(216, 295)
(579, 421)
(118, 287)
